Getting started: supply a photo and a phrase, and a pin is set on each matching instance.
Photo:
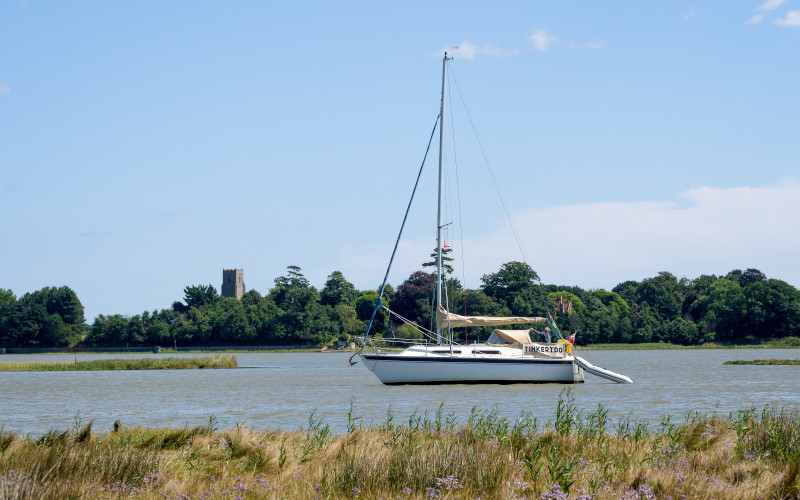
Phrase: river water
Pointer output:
(280, 390)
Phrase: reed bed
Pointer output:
(218, 361)
(577, 454)
(776, 362)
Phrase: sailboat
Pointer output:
(508, 356)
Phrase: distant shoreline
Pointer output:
(785, 343)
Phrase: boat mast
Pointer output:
(439, 209)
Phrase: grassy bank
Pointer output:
(765, 362)
(748, 454)
(784, 343)
(218, 361)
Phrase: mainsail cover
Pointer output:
(445, 318)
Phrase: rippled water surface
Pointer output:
(280, 390)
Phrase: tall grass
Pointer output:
(577, 453)
(218, 361)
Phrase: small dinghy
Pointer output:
(602, 372)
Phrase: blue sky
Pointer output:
(145, 146)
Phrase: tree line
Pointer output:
(740, 305)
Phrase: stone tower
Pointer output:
(233, 283)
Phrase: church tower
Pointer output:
(233, 283)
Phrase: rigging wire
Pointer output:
(378, 302)
(489, 167)
(458, 200)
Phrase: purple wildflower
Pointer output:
(449, 483)
(645, 492)
(554, 493)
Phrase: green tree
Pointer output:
(645, 325)
(200, 295)
(693, 307)
(658, 296)
(322, 325)
(7, 297)
(612, 299)
(264, 316)
(516, 286)
(627, 290)
(338, 290)
(723, 308)
(365, 304)
(680, 331)
(48, 317)
(348, 320)
(446, 260)
(750, 276)
(109, 331)
(158, 333)
(413, 298)
(480, 304)
(771, 309)
(295, 297)
(136, 333)
(229, 324)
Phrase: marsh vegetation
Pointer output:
(576, 454)
(214, 362)
(773, 362)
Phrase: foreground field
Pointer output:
(218, 361)
(577, 454)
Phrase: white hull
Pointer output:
(435, 365)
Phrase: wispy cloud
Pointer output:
(468, 50)
(93, 234)
(691, 13)
(179, 213)
(791, 20)
(5, 89)
(710, 230)
(590, 45)
(771, 5)
(792, 17)
(542, 41)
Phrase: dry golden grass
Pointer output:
(575, 455)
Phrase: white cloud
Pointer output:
(771, 4)
(594, 45)
(756, 19)
(691, 13)
(5, 89)
(598, 245)
(791, 20)
(719, 230)
(468, 50)
(542, 40)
